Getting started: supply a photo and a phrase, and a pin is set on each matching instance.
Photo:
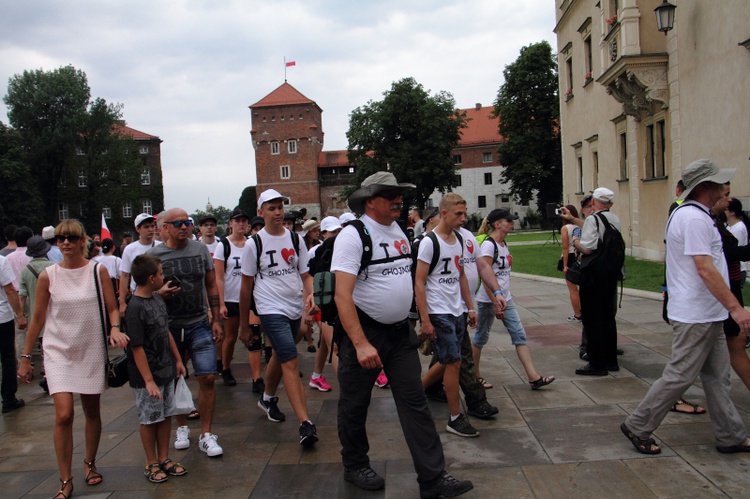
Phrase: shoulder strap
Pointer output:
(435, 251)
(364, 235)
(497, 250)
(227, 250)
(31, 269)
(258, 251)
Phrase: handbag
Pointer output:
(116, 371)
(573, 275)
(560, 264)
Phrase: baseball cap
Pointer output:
(206, 218)
(347, 217)
(238, 213)
(257, 220)
(329, 224)
(270, 195)
(143, 217)
(604, 195)
(500, 213)
(48, 233)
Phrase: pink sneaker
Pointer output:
(320, 384)
(382, 381)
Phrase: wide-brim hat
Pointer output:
(704, 170)
(37, 247)
(371, 186)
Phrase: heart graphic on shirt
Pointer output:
(457, 261)
(288, 255)
(470, 246)
(509, 259)
(401, 246)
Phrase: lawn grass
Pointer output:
(530, 236)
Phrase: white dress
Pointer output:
(74, 352)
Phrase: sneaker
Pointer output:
(447, 486)
(308, 434)
(382, 381)
(365, 478)
(182, 438)
(320, 384)
(311, 349)
(436, 393)
(259, 386)
(229, 380)
(207, 443)
(574, 318)
(12, 406)
(219, 366)
(272, 409)
(461, 427)
(483, 410)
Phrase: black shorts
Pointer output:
(233, 309)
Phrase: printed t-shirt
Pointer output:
(148, 327)
(739, 231)
(232, 271)
(443, 285)
(471, 250)
(212, 246)
(131, 251)
(501, 268)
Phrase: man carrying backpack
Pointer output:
(598, 286)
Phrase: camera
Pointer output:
(558, 211)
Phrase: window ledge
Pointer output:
(620, 180)
(654, 179)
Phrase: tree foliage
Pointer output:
(409, 133)
(528, 109)
(221, 214)
(249, 200)
(20, 203)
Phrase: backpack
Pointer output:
(228, 250)
(607, 262)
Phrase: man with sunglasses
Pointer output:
(145, 225)
(189, 277)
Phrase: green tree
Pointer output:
(20, 203)
(249, 200)
(528, 109)
(221, 214)
(410, 133)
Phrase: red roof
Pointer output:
(481, 128)
(332, 158)
(285, 95)
(132, 132)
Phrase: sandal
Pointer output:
(61, 492)
(93, 477)
(155, 474)
(175, 470)
(542, 381)
(696, 409)
(486, 384)
(193, 415)
(642, 445)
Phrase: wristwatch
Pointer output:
(26, 356)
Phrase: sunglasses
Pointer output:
(179, 223)
(72, 239)
(389, 195)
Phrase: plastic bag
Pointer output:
(183, 399)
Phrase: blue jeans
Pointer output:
(485, 318)
(281, 331)
(449, 331)
(199, 341)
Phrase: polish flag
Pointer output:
(290, 64)
(106, 234)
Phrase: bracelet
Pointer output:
(115, 325)
(497, 292)
(26, 356)
(472, 310)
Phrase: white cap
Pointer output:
(48, 232)
(329, 224)
(347, 217)
(143, 217)
(604, 195)
(269, 195)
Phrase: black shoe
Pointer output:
(365, 478)
(44, 386)
(613, 367)
(272, 409)
(308, 434)
(483, 410)
(589, 370)
(620, 351)
(229, 380)
(584, 356)
(436, 393)
(219, 366)
(259, 386)
(12, 406)
(311, 349)
(447, 486)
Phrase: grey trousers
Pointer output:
(697, 349)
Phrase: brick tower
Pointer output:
(287, 135)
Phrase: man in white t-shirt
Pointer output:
(10, 305)
(374, 334)
(282, 289)
(699, 297)
(442, 294)
(145, 225)
(208, 227)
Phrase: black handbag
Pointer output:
(116, 370)
(573, 275)
(560, 264)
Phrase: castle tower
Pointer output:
(287, 135)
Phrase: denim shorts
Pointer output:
(281, 331)
(449, 331)
(485, 318)
(198, 340)
(151, 410)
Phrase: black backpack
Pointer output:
(608, 261)
(228, 249)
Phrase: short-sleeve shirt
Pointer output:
(232, 270)
(278, 284)
(471, 251)
(443, 285)
(593, 229)
(212, 246)
(131, 251)
(500, 267)
(190, 265)
(691, 232)
(739, 231)
(6, 277)
(383, 290)
(27, 283)
(148, 327)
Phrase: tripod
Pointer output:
(553, 237)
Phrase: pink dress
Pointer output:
(74, 353)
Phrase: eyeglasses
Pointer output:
(389, 195)
(179, 223)
(72, 239)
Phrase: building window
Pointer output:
(569, 71)
(487, 157)
(482, 201)
(79, 151)
(504, 198)
(595, 164)
(81, 178)
(351, 169)
(274, 148)
(488, 179)
(107, 211)
(147, 208)
(62, 211)
(623, 156)
(457, 159)
(291, 147)
(127, 210)
(458, 180)
(286, 171)
(146, 177)
(589, 59)
(287, 201)
(143, 150)
(655, 149)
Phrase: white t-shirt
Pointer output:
(111, 263)
(278, 285)
(383, 290)
(501, 268)
(311, 254)
(739, 231)
(471, 251)
(131, 251)
(6, 277)
(443, 285)
(212, 246)
(691, 232)
(232, 270)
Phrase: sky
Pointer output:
(186, 71)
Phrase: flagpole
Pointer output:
(284, 69)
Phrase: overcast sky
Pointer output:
(187, 71)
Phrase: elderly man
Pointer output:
(373, 305)
(599, 292)
(699, 297)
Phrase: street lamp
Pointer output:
(665, 16)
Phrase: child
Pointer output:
(151, 367)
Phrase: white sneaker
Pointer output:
(207, 443)
(182, 439)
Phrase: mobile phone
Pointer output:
(558, 211)
(173, 282)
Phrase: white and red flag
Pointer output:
(106, 234)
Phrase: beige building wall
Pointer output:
(653, 103)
